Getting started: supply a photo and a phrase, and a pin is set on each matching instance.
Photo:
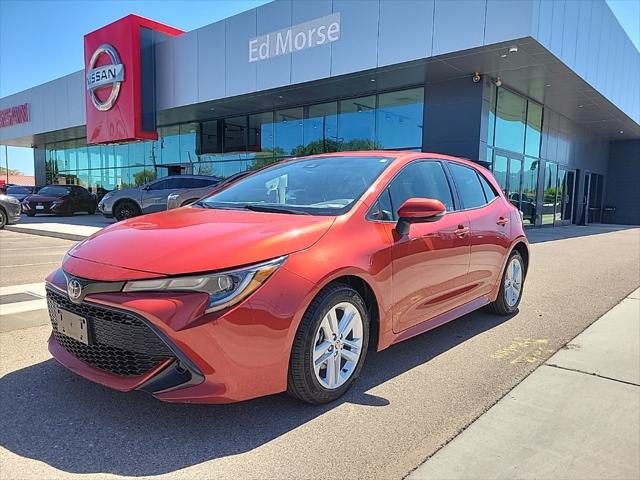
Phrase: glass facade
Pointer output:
(514, 140)
(222, 147)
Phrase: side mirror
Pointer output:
(418, 210)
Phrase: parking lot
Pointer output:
(410, 399)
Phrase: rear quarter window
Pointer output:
(467, 182)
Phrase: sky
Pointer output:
(33, 31)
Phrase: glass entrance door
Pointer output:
(550, 194)
(518, 178)
(566, 192)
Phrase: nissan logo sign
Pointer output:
(99, 77)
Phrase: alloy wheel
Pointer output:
(513, 282)
(338, 345)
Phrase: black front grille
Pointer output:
(121, 343)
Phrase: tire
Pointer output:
(506, 303)
(3, 218)
(91, 211)
(317, 386)
(31, 214)
(126, 209)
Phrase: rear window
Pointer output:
(469, 187)
(19, 190)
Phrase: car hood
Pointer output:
(44, 198)
(191, 240)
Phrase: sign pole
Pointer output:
(6, 162)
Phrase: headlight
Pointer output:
(107, 196)
(13, 200)
(225, 289)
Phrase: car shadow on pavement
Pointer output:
(51, 415)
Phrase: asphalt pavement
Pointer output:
(409, 401)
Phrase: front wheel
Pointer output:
(510, 287)
(330, 346)
(31, 214)
(126, 209)
(3, 218)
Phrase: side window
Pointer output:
(204, 182)
(381, 210)
(161, 185)
(469, 187)
(421, 179)
(489, 192)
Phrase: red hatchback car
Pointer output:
(284, 279)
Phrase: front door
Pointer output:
(431, 262)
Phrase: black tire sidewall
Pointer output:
(4, 219)
(312, 319)
(134, 208)
(503, 305)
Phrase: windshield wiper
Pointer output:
(272, 209)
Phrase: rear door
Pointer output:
(489, 217)
(155, 198)
(430, 263)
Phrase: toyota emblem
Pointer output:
(107, 75)
(74, 289)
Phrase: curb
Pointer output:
(46, 233)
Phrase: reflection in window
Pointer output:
(169, 145)
(289, 136)
(357, 123)
(500, 170)
(235, 135)
(534, 129)
(529, 190)
(399, 118)
(188, 142)
(211, 139)
(515, 170)
(510, 121)
(320, 129)
(549, 193)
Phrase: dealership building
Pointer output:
(544, 93)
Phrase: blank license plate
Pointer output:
(73, 326)
(39, 207)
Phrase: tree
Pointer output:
(3, 172)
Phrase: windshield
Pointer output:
(317, 186)
(54, 190)
(19, 190)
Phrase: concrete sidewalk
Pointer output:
(576, 417)
(72, 227)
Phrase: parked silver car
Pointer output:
(9, 210)
(182, 198)
(151, 197)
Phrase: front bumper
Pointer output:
(13, 212)
(43, 207)
(224, 357)
(105, 209)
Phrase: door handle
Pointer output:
(502, 221)
(461, 231)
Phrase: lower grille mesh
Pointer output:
(121, 344)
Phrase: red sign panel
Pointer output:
(14, 115)
(120, 70)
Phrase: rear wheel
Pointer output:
(510, 287)
(3, 218)
(126, 209)
(330, 346)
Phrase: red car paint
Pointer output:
(437, 272)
